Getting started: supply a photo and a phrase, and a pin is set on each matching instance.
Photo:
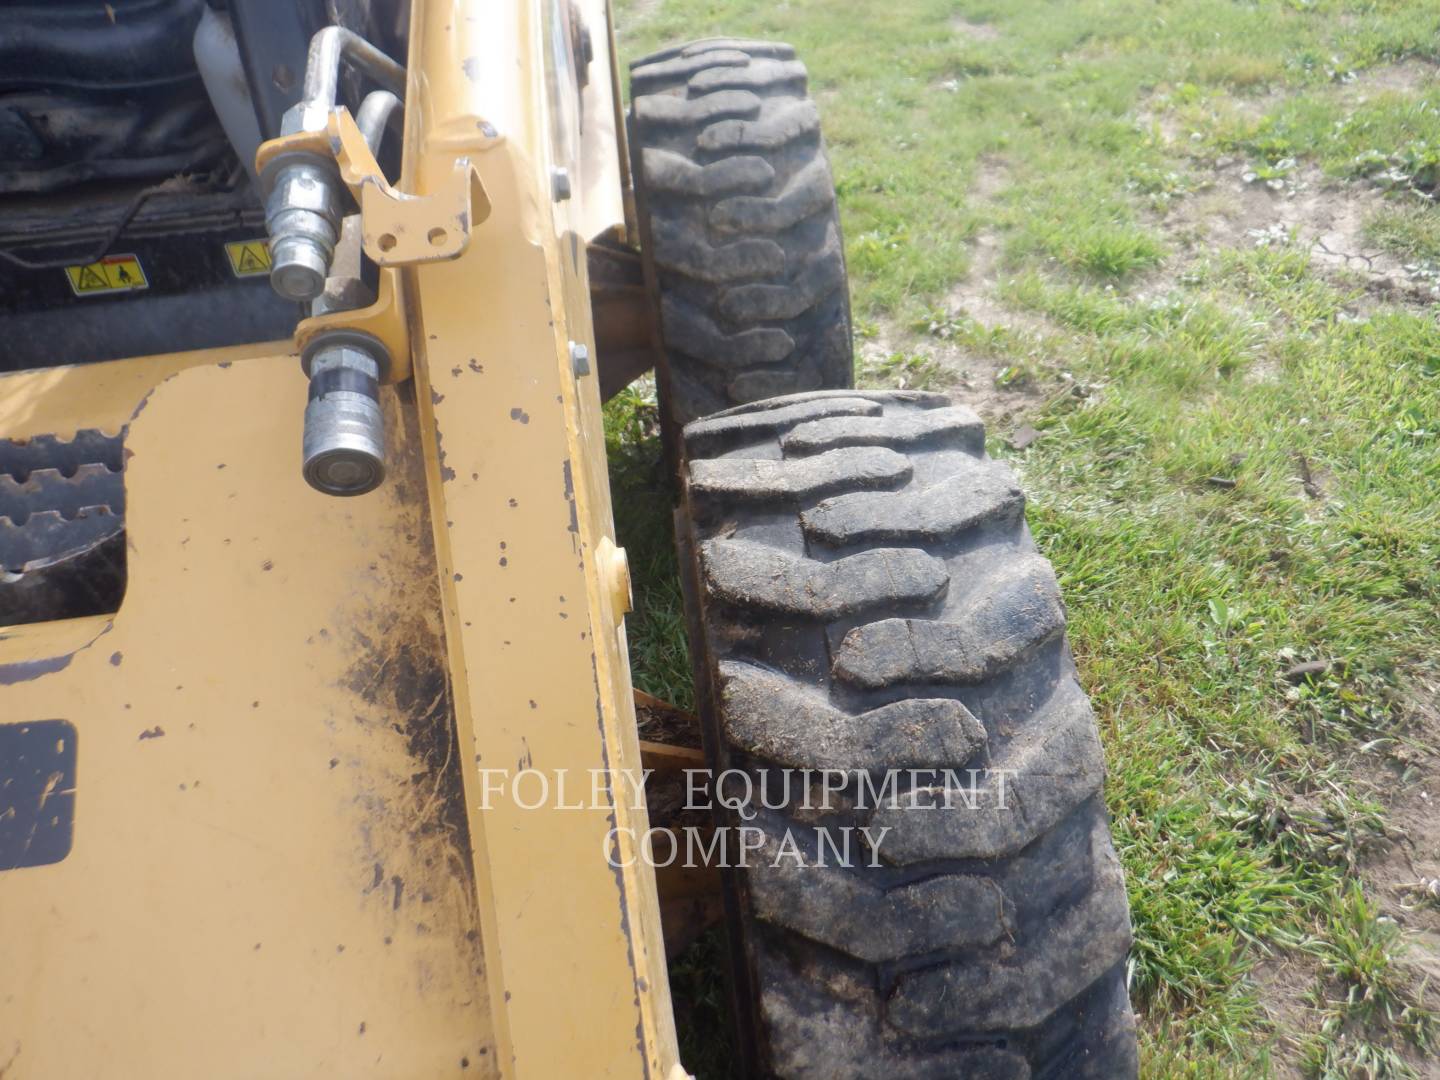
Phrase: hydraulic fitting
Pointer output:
(302, 215)
(344, 444)
(304, 196)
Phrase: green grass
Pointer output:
(1172, 496)
(1409, 230)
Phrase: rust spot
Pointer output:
(476, 366)
(446, 473)
(116, 657)
(455, 371)
(152, 733)
(267, 565)
(520, 415)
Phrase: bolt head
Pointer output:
(303, 117)
(560, 184)
(579, 358)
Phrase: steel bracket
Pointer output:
(397, 229)
(400, 229)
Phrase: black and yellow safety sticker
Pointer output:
(248, 258)
(114, 273)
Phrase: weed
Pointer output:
(1409, 229)
(905, 371)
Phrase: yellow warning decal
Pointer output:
(115, 273)
(248, 258)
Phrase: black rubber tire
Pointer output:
(739, 226)
(865, 596)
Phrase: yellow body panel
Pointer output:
(281, 865)
(258, 884)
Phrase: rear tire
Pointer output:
(866, 597)
(739, 227)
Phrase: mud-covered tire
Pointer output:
(738, 226)
(866, 597)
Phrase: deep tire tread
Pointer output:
(894, 614)
(740, 222)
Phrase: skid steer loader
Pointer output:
(319, 754)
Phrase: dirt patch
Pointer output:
(991, 177)
(1157, 111)
(974, 379)
(976, 295)
(1283, 985)
(975, 31)
(1407, 77)
(986, 383)
(1305, 210)
(1397, 876)
(1405, 877)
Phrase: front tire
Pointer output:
(866, 597)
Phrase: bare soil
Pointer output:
(1404, 78)
(1404, 878)
(1308, 211)
(1283, 984)
(973, 30)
